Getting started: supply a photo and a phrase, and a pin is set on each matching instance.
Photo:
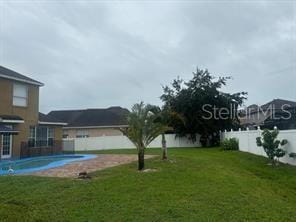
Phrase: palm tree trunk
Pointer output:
(141, 153)
(164, 147)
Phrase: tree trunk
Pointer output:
(203, 140)
(164, 147)
(141, 158)
(274, 162)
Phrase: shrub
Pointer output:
(271, 145)
(292, 155)
(230, 144)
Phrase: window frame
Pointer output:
(50, 136)
(84, 134)
(39, 133)
(26, 98)
(34, 137)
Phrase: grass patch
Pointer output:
(197, 185)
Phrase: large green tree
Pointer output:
(205, 107)
(143, 128)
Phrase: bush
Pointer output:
(230, 144)
(271, 145)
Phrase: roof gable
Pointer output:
(278, 104)
(10, 74)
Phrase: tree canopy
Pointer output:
(204, 107)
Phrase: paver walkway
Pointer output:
(102, 161)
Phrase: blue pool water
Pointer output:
(34, 164)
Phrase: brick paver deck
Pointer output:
(102, 161)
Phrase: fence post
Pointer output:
(248, 137)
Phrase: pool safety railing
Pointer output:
(43, 148)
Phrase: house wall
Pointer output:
(29, 113)
(247, 142)
(58, 133)
(96, 132)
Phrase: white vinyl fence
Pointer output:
(122, 142)
(247, 142)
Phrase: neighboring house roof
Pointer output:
(253, 108)
(67, 116)
(257, 115)
(48, 120)
(110, 117)
(248, 110)
(283, 120)
(278, 104)
(10, 74)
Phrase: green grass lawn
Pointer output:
(196, 185)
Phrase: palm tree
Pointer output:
(166, 117)
(143, 129)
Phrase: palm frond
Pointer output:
(142, 125)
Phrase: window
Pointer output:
(41, 136)
(50, 136)
(82, 134)
(32, 136)
(20, 95)
(65, 136)
(6, 144)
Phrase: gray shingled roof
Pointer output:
(10, 74)
(67, 116)
(49, 119)
(275, 105)
(113, 116)
(278, 104)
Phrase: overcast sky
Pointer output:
(99, 54)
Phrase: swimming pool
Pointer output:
(34, 164)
